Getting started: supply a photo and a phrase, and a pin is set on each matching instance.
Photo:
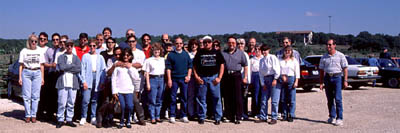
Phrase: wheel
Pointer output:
(392, 82)
(355, 86)
(307, 88)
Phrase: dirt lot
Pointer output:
(365, 110)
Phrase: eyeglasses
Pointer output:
(63, 42)
(100, 39)
(42, 39)
(70, 46)
(207, 42)
(330, 44)
(92, 46)
(165, 39)
(131, 41)
(241, 43)
(56, 39)
(34, 41)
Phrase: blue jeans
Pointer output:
(192, 94)
(126, 102)
(215, 96)
(90, 95)
(289, 97)
(333, 91)
(66, 101)
(156, 96)
(265, 95)
(255, 99)
(183, 86)
(31, 83)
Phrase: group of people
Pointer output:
(147, 79)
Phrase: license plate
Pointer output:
(315, 72)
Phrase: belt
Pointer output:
(334, 74)
(232, 72)
(37, 68)
(156, 76)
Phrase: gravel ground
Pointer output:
(365, 110)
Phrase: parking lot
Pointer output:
(365, 110)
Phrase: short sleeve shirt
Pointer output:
(333, 63)
(31, 58)
(235, 61)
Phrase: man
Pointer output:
(385, 54)
(43, 40)
(251, 48)
(146, 40)
(372, 61)
(241, 45)
(100, 41)
(331, 66)
(164, 40)
(232, 81)
(179, 70)
(208, 67)
(49, 93)
(123, 45)
(69, 67)
(107, 33)
(83, 47)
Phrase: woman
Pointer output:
(109, 53)
(290, 74)
(122, 85)
(192, 106)
(255, 83)
(154, 68)
(217, 45)
(31, 77)
(92, 76)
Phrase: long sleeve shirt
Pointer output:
(290, 67)
(269, 65)
(122, 80)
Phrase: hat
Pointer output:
(207, 37)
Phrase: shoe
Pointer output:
(27, 120)
(290, 119)
(237, 122)
(185, 120)
(339, 122)
(201, 121)
(159, 120)
(279, 115)
(33, 119)
(273, 122)
(59, 124)
(120, 126)
(142, 123)
(93, 121)
(82, 121)
(135, 120)
(153, 122)
(128, 125)
(217, 122)
(331, 121)
(70, 123)
(172, 120)
(259, 121)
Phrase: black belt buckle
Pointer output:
(37, 68)
(156, 76)
(333, 74)
(231, 72)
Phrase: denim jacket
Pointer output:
(74, 68)
(87, 74)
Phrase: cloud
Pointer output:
(311, 14)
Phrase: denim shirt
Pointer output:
(87, 74)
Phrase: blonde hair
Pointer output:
(28, 42)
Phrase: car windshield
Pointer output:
(386, 63)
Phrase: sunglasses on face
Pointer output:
(330, 44)
(92, 46)
(70, 46)
(56, 39)
(131, 41)
(42, 39)
(34, 41)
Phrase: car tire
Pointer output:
(307, 88)
(392, 82)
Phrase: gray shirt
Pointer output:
(235, 61)
(49, 56)
(333, 63)
(296, 55)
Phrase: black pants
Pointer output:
(231, 85)
(48, 96)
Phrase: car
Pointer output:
(309, 76)
(358, 75)
(389, 72)
(13, 87)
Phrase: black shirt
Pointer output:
(106, 56)
(208, 62)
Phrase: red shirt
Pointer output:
(147, 52)
(80, 51)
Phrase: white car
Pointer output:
(358, 75)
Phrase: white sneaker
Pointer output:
(135, 120)
(331, 121)
(279, 116)
(172, 120)
(185, 120)
(82, 121)
(339, 122)
(93, 121)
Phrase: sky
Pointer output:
(19, 18)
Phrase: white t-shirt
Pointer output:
(138, 57)
(31, 58)
(68, 77)
(94, 61)
(42, 50)
(58, 53)
(290, 67)
(154, 66)
(255, 64)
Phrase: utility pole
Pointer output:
(330, 23)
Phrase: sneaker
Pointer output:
(172, 120)
(82, 121)
(128, 125)
(331, 121)
(135, 120)
(339, 122)
(93, 121)
(185, 120)
(279, 115)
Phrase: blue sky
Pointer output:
(21, 18)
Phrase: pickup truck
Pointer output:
(358, 75)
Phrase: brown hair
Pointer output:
(157, 46)
(288, 48)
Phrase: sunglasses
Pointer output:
(63, 42)
(330, 44)
(42, 39)
(93, 46)
(34, 41)
(56, 39)
(131, 41)
(70, 46)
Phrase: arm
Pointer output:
(277, 69)
(190, 66)
(147, 76)
(297, 74)
(169, 80)
(220, 74)
(83, 72)
(245, 75)
(321, 79)
(42, 72)
(21, 66)
(345, 74)
(114, 89)
(196, 76)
